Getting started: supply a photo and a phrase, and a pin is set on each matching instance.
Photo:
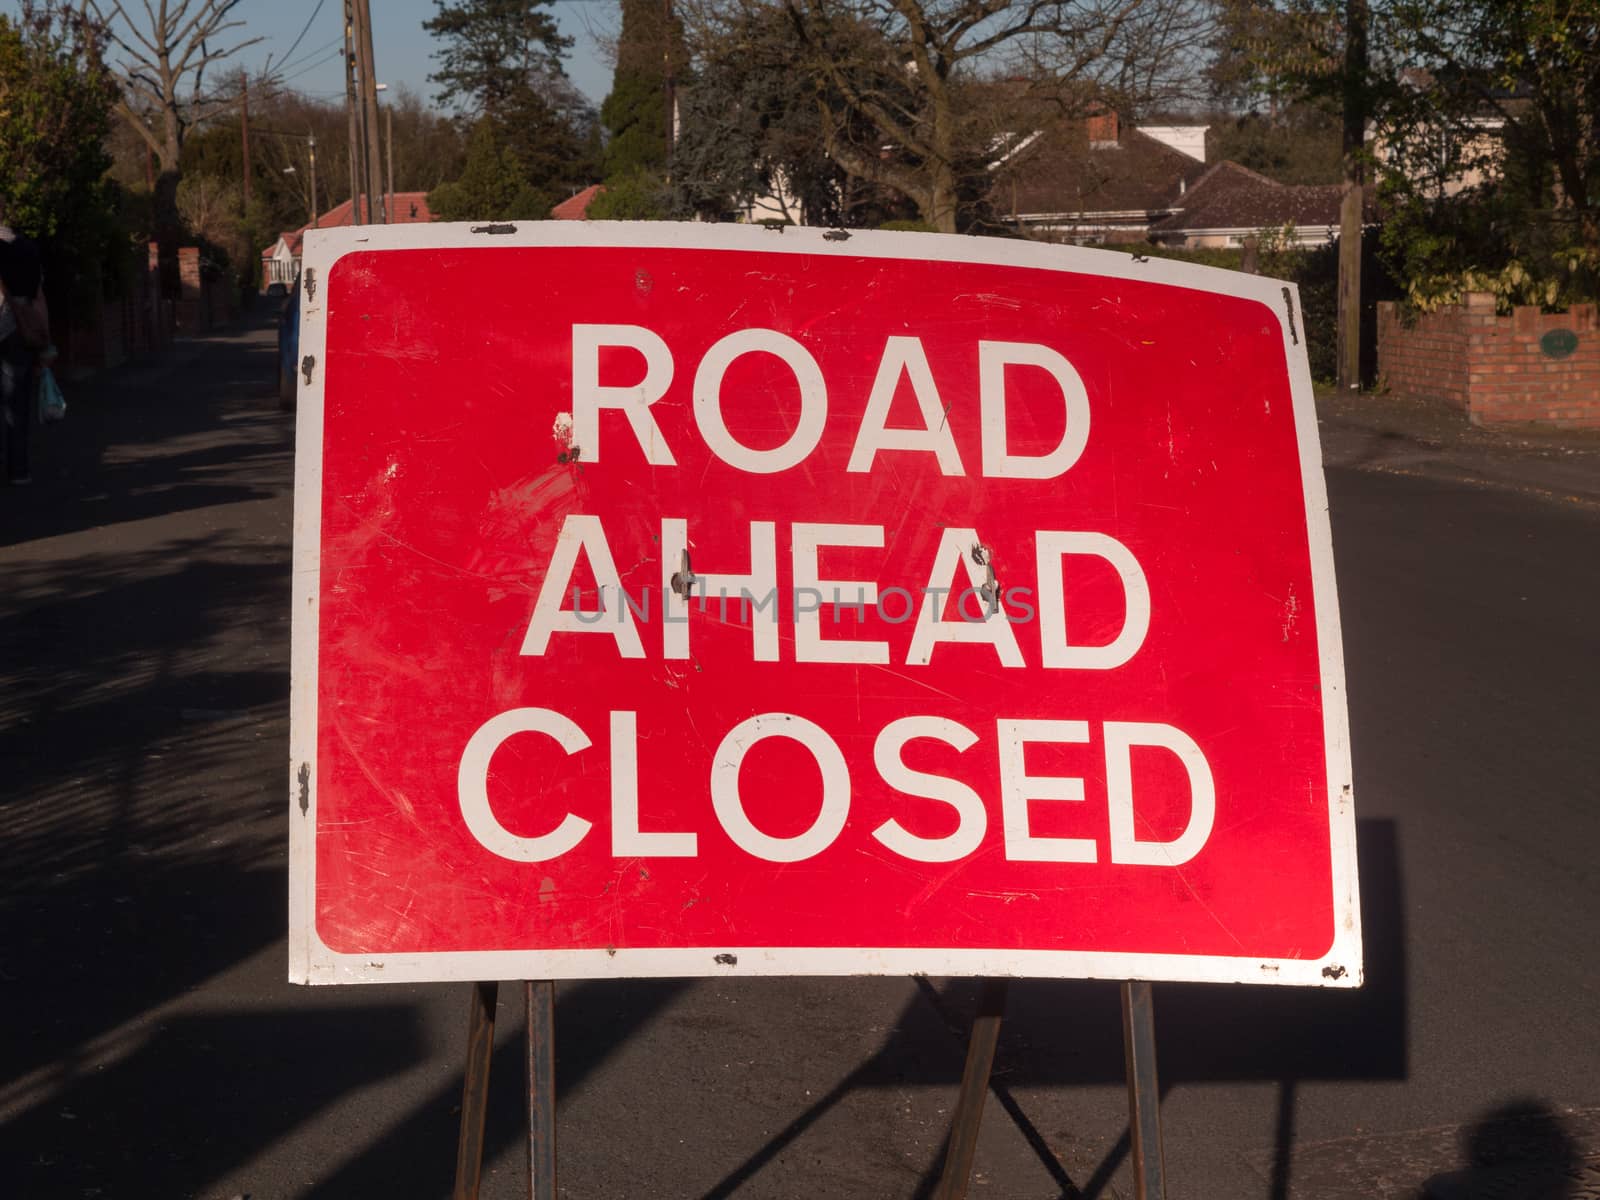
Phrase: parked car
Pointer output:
(277, 291)
(288, 347)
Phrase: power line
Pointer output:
(338, 53)
(286, 133)
(287, 65)
(288, 54)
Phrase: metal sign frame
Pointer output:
(312, 961)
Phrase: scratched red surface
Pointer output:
(442, 495)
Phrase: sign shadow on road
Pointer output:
(1065, 1034)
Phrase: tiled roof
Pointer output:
(1061, 173)
(1229, 196)
(576, 208)
(406, 208)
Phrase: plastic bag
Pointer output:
(52, 404)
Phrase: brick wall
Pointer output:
(127, 327)
(191, 297)
(1494, 368)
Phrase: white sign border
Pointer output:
(313, 961)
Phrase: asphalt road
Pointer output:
(151, 1047)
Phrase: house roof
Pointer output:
(1228, 196)
(407, 208)
(1062, 173)
(576, 208)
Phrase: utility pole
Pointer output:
(667, 81)
(244, 138)
(1350, 206)
(369, 108)
(388, 120)
(350, 110)
(311, 140)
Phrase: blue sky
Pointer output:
(400, 46)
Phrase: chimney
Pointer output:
(1102, 128)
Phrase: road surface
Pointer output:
(153, 1049)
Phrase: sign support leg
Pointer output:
(541, 1090)
(1144, 1093)
(963, 1144)
(475, 1091)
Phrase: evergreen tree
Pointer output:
(532, 139)
(492, 50)
(551, 130)
(635, 113)
(635, 195)
(493, 186)
(747, 131)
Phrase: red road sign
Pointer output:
(686, 600)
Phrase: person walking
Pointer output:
(24, 333)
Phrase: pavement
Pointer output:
(152, 1047)
(1377, 432)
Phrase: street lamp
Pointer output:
(388, 118)
(291, 170)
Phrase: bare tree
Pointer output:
(288, 156)
(210, 209)
(163, 61)
(909, 92)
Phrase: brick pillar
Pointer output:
(191, 296)
(149, 335)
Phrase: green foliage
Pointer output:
(209, 199)
(550, 148)
(492, 187)
(634, 114)
(1492, 179)
(1300, 144)
(491, 49)
(519, 162)
(1485, 240)
(1512, 285)
(215, 150)
(749, 132)
(55, 103)
(54, 113)
(638, 194)
(533, 138)
(1485, 154)
(751, 129)
(1267, 53)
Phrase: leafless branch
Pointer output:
(174, 43)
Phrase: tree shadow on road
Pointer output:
(195, 1097)
(139, 444)
(142, 714)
